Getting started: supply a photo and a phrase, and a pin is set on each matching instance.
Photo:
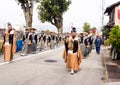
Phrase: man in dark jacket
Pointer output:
(98, 44)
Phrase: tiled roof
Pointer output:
(111, 7)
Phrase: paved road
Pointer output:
(35, 71)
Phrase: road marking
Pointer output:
(32, 55)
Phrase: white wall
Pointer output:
(117, 21)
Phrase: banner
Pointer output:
(119, 14)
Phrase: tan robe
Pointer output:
(14, 43)
(9, 49)
(73, 60)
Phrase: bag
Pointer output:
(88, 46)
(28, 42)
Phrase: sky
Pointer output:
(79, 12)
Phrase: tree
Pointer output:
(27, 6)
(52, 11)
(114, 37)
(86, 27)
(105, 32)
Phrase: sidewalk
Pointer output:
(112, 68)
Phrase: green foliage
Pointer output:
(105, 32)
(86, 27)
(106, 42)
(52, 10)
(25, 3)
(114, 37)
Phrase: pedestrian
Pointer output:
(87, 45)
(42, 40)
(93, 45)
(52, 42)
(90, 42)
(81, 38)
(82, 45)
(60, 39)
(25, 42)
(57, 40)
(33, 38)
(72, 53)
(98, 44)
(9, 43)
(48, 40)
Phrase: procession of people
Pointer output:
(77, 46)
(34, 42)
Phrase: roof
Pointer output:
(111, 7)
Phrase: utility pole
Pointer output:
(102, 22)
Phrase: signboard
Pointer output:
(118, 14)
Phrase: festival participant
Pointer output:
(33, 38)
(52, 42)
(26, 42)
(9, 43)
(72, 53)
(42, 40)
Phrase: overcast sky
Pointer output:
(80, 11)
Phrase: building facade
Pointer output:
(113, 11)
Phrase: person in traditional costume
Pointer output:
(52, 42)
(42, 40)
(72, 53)
(90, 41)
(58, 39)
(87, 45)
(9, 43)
(82, 45)
(33, 38)
(48, 40)
(81, 38)
(26, 42)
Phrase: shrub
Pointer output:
(106, 42)
(114, 38)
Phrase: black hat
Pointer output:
(8, 24)
(73, 29)
(27, 29)
(33, 29)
